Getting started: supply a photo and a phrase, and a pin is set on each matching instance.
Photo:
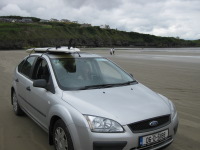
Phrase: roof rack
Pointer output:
(63, 49)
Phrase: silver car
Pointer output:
(86, 102)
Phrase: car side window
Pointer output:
(27, 65)
(20, 65)
(41, 70)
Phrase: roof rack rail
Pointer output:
(63, 49)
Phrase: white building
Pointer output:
(65, 20)
(86, 25)
(43, 20)
(54, 20)
(105, 26)
(74, 21)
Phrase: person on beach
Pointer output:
(111, 51)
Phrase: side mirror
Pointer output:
(41, 83)
(131, 74)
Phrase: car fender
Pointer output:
(165, 99)
(72, 118)
(68, 114)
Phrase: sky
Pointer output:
(168, 18)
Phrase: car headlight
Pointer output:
(103, 125)
(173, 109)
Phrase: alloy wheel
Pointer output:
(61, 142)
(15, 103)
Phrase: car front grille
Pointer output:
(144, 125)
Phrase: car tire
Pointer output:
(16, 108)
(61, 136)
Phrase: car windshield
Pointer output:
(88, 73)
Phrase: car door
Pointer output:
(40, 98)
(23, 80)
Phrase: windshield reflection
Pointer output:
(88, 73)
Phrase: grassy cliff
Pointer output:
(36, 34)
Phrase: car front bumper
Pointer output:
(84, 139)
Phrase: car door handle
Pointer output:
(28, 88)
(16, 80)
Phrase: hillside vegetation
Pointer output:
(36, 34)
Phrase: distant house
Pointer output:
(8, 20)
(105, 26)
(74, 21)
(3, 19)
(86, 25)
(18, 20)
(14, 20)
(54, 20)
(26, 20)
(65, 20)
(43, 20)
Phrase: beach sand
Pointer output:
(173, 74)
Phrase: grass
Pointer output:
(48, 34)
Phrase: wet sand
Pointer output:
(171, 73)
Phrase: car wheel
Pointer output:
(16, 108)
(61, 136)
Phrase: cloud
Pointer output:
(158, 17)
(95, 4)
(13, 9)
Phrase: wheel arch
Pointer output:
(51, 126)
(69, 116)
(58, 112)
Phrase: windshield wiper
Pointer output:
(125, 83)
(106, 85)
(128, 83)
(96, 86)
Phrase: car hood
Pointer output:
(125, 104)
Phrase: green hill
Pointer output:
(36, 34)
